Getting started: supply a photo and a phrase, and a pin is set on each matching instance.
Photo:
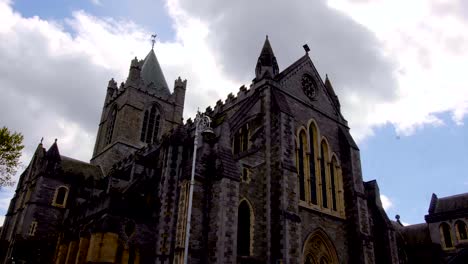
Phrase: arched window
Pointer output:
(301, 160)
(312, 162)
(333, 183)
(319, 249)
(244, 229)
(446, 235)
(241, 140)
(60, 197)
(110, 125)
(150, 126)
(462, 232)
(323, 172)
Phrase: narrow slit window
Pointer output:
(301, 164)
(110, 126)
(323, 171)
(333, 183)
(244, 230)
(144, 127)
(312, 160)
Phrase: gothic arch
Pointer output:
(60, 196)
(151, 123)
(111, 117)
(312, 122)
(245, 228)
(318, 249)
(325, 172)
(302, 162)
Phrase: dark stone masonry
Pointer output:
(280, 182)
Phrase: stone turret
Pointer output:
(179, 97)
(134, 74)
(111, 90)
(267, 66)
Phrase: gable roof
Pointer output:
(75, 167)
(451, 203)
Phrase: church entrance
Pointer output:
(318, 249)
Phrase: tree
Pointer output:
(11, 145)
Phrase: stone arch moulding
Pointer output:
(319, 249)
(251, 224)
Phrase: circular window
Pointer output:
(309, 87)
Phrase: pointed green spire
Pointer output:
(151, 73)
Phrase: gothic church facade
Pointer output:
(280, 182)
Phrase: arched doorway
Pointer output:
(318, 249)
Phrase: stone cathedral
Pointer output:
(280, 181)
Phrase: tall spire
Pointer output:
(151, 73)
(266, 63)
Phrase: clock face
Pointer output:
(308, 85)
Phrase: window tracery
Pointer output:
(110, 125)
(150, 126)
(319, 173)
(241, 140)
(318, 249)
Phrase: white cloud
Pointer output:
(96, 2)
(431, 51)
(386, 202)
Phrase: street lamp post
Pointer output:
(202, 124)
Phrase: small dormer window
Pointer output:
(60, 197)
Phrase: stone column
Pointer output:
(72, 250)
(62, 254)
(82, 250)
(103, 247)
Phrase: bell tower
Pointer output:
(138, 112)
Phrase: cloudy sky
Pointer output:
(399, 68)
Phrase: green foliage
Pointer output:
(11, 145)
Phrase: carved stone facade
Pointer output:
(280, 183)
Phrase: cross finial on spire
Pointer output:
(153, 40)
(42, 138)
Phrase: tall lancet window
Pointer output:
(312, 162)
(302, 163)
(333, 182)
(110, 125)
(245, 230)
(150, 127)
(323, 172)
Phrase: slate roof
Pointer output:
(75, 167)
(229, 165)
(151, 73)
(416, 234)
(451, 203)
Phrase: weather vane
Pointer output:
(153, 40)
